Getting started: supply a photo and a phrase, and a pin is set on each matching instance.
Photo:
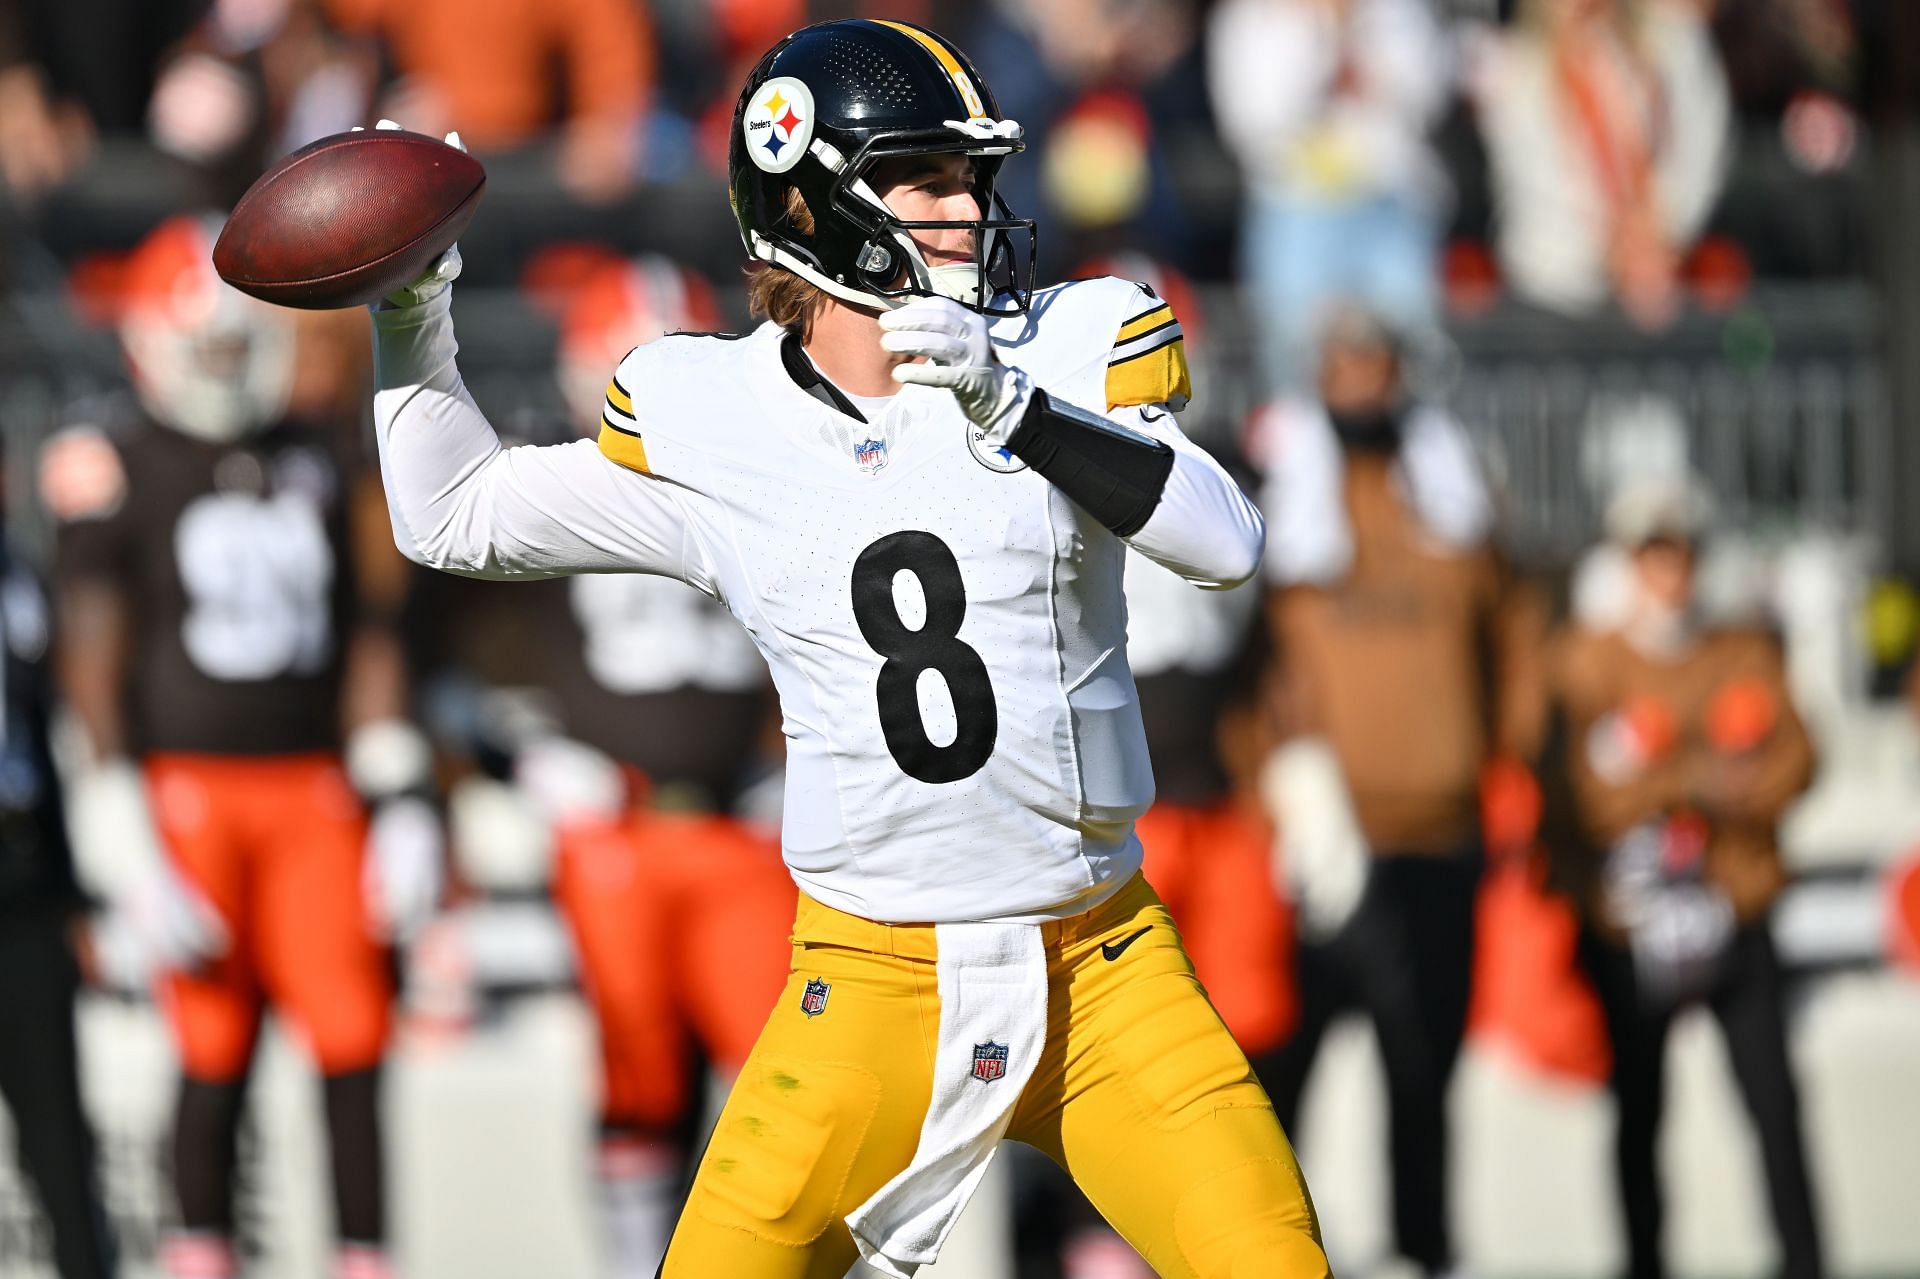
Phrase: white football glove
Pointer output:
(155, 919)
(162, 924)
(953, 340)
(1322, 854)
(402, 877)
(391, 765)
(445, 269)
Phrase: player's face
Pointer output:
(1358, 376)
(931, 188)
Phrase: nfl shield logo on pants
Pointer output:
(813, 1000)
(989, 1061)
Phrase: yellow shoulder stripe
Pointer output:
(1140, 324)
(623, 446)
(618, 397)
(1158, 376)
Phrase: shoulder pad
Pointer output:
(664, 360)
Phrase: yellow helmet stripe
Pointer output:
(950, 64)
(618, 397)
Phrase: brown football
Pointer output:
(348, 219)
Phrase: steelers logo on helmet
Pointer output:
(778, 124)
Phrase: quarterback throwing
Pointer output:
(913, 486)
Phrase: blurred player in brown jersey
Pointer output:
(658, 708)
(223, 636)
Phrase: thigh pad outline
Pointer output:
(780, 1160)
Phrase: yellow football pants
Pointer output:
(1140, 1094)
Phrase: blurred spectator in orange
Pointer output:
(1409, 659)
(496, 69)
(1683, 749)
(1606, 126)
(1327, 104)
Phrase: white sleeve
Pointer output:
(1205, 529)
(462, 503)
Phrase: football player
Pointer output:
(217, 635)
(914, 486)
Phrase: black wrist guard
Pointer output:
(1111, 473)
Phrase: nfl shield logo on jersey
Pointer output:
(813, 1000)
(989, 1061)
(871, 454)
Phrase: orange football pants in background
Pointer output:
(683, 923)
(276, 844)
(1213, 867)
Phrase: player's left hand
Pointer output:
(959, 356)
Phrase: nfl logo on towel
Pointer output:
(813, 1000)
(871, 454)
(989, 1061)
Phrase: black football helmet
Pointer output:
(819, 110)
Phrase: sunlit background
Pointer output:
(1627, 244)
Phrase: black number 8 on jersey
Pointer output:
(935, 646)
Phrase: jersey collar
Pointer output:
(809, 379)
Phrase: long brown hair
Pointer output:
(777, 293)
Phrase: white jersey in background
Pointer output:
(946, 629)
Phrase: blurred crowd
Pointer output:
(1420, 771)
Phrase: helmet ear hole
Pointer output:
(797, 213)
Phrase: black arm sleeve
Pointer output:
(1113, 474)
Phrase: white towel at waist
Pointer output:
(993, 997)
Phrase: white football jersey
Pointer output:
(946, 629)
